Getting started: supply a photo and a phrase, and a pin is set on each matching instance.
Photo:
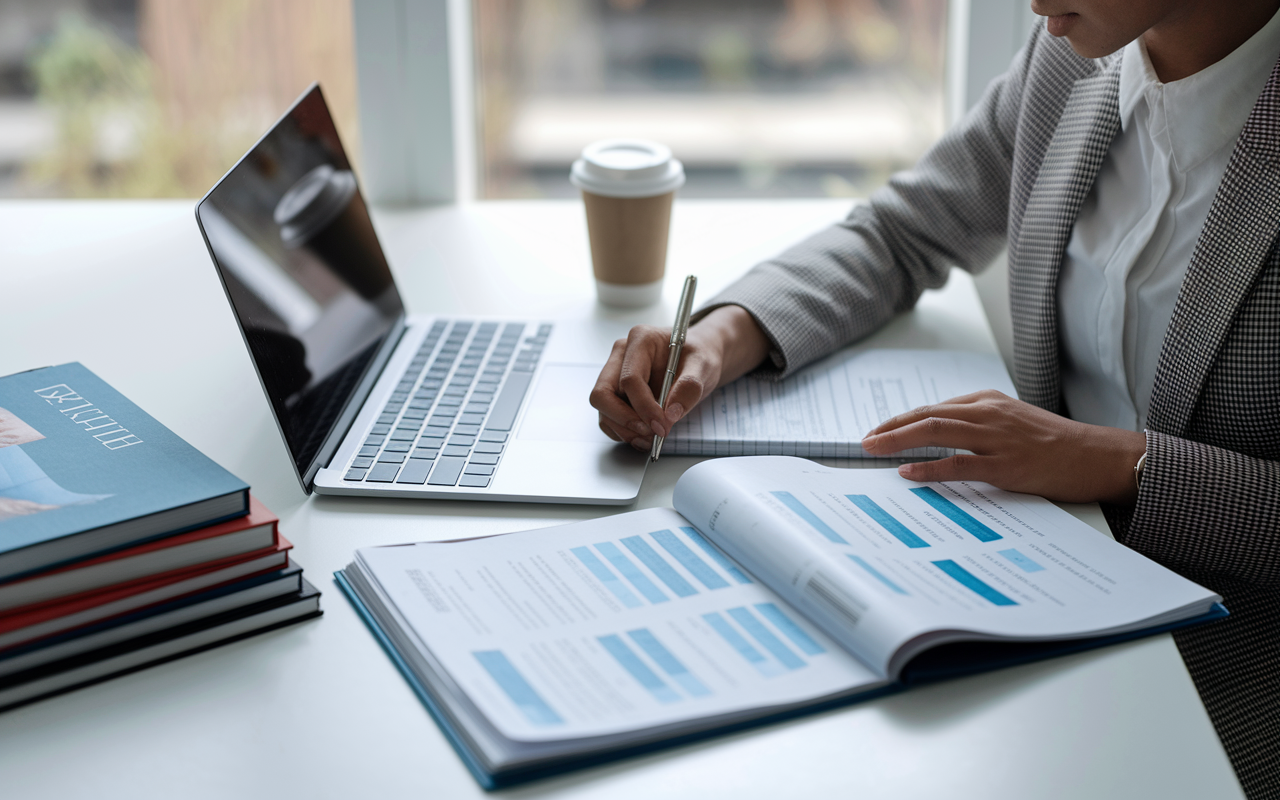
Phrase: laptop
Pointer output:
(369, 400)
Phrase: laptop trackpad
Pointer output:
(559, 409)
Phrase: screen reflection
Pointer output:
(297, 253)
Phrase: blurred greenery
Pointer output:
(113, 138)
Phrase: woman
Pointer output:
(1130, 161)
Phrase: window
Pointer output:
(156, 98)
(764, 98)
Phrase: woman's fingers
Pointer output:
(960, 467)
(930, 431)
(968, 407)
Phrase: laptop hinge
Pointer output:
(351, 409)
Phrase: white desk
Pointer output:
(318, 711)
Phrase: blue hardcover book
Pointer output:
(84, 471)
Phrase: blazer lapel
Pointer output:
(1232, 249)
(1090, 120)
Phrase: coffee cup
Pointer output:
(322, 213)
(627, 188)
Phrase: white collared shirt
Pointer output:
(1134, 236)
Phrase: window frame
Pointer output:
(415, 74)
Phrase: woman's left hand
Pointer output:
(1015, 446)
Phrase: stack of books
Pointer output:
(122, 546)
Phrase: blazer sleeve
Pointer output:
(844, 282)
(1207, 512)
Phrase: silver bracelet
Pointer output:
(1138, 469)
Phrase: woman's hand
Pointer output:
(722, 346)
(1016, 446)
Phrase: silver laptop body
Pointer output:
(370, 400)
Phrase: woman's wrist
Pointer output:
(732, 332)
(1126, 449)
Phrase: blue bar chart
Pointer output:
(877, 574)
(767, 667)
(752, 625)
(631, 572)
(680, 551)
(605, 575)
(884, 520)
(803, 512)
(715, 555)
(954, 513)
(639, 670)
(1023, 562)
(668, 663)
(659, 566)
(514, 685)
(973, 583)
(788, 626)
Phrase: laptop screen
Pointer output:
(292, 240)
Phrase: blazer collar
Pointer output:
(1233, 248)
(1089, 121)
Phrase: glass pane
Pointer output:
(157, 98)
(764, 98)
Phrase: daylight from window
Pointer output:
(157, 98)
(756, 97)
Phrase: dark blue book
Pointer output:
(84, 471)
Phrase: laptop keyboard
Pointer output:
(450, 416)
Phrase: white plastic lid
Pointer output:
(312, 203)
(627, 168)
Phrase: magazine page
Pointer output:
(881, 562)
(602, 627)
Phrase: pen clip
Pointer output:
(684, 311)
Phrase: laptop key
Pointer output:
(478, 469)
(391, 458)
(354, 475)
(382, 473)
(398, 447)
(493, 436)
(415, 471)
(362, 462)
(428, 453)
(447, 471)
(484, 458)
(505, 410)
(476, 481)
(471, 420)
(488, 447)
(369, 450)
(374, 441)
(456, 451)
(462, 441)
(476, 408)
(466, 430)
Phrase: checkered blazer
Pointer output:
(1014, 173)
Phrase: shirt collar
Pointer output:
(1205, 111)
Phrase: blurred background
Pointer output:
(759, 98)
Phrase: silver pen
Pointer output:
(678, 331)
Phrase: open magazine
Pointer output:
(774, 587)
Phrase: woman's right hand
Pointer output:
(721, 347)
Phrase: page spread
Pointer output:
(606, 626)
(888, 566)
(826, 408)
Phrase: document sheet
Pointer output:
(826, 408)
(607, 626)
(889, 566)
